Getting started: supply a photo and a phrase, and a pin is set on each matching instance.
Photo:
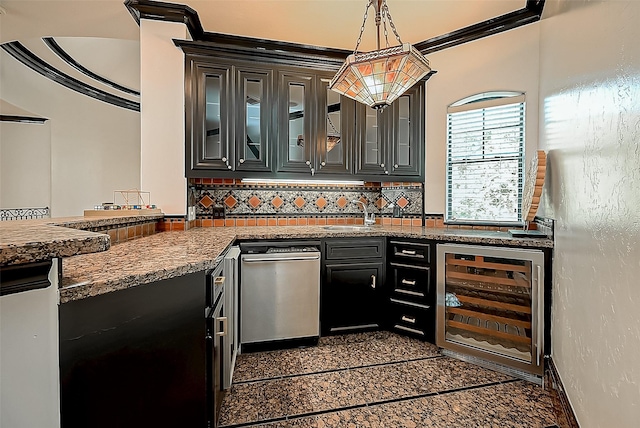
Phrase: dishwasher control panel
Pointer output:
(285, 246)
(291, 250)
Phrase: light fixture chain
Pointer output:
(333, 127)
(384, 25)
(364, 21)
(393, 27)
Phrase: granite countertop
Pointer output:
(27, 241)
(172, 254)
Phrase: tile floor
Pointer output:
(376, 380)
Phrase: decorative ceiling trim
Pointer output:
(172, 12)
(148, 9)
(57, 49)
(527, 15)
(29, 59)
(22, 119)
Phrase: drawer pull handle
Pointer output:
(373, 281)
(408, 319)
(219, 281)
(407, 282)
(410, 293)
(409, 252)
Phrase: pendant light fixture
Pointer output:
(378, 77)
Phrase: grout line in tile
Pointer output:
(373, 404)
(486, 385)
(341, 369)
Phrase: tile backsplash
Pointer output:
(230, 202)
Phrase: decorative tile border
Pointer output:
(128, 231)
(231, 202)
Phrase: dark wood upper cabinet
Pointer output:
(253, 119)
(336, 128)
(296, 122)
(391, 142)
(250, 115)
(209, 134)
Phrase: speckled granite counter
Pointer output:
(26, 241)
(171, 254)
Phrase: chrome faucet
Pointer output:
(369, 219)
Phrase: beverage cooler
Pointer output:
(490, 307)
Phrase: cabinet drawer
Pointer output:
(412, 252)
(408, 318)
(348, 249)
(411, 283)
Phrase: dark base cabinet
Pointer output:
(135, 357)
(352, 295)
(412, 291)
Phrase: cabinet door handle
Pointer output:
(219, 281)
(223, 320)
(395, 166)
(409, 252)
(308, 162)
(373, 281)
(224, 159)
(540, 317)
(241, 160)
(407, 282)
(408, 319)
(323, 163)
(381, 165)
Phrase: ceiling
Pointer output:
(81, 24)
(331, 23)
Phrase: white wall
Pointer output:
(95, 147)
(590, 126)
(25, 165)
(29, 368)
(506, 61)
(162, 116)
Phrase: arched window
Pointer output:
(485, 158)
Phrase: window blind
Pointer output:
(485, 161)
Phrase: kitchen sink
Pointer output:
(348, 228)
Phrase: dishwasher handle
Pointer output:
(279, 259)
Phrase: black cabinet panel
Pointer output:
(350, 296)
(408, 318)
(346, 249)
(135, 357)
(411, 282)
(410, 252)
(353, 285)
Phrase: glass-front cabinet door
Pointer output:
(295, 118)
(211, 134)
(407, 133)
(253, 119)
(391, 141)
(336, 125)
(372, 141)
(491, 304)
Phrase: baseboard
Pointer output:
(564, 413)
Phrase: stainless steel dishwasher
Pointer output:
(279, 294)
